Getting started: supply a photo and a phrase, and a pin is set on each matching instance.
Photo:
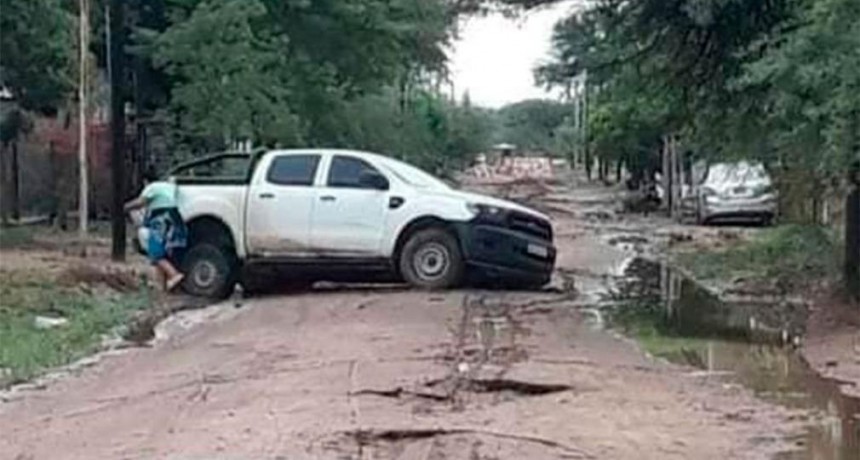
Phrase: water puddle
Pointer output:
(751, 345)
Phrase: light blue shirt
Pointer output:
(160, 195)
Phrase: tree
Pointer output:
(36, 53)
(532, 124)
(36, 56)
(232, 85)
(283, 72)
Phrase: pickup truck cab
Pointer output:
(320, 212)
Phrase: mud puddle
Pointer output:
(743, 344)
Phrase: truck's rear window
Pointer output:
(296, 170)
(221, 169)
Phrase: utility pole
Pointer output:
(584, 113)
(83, 200)
(117, 124)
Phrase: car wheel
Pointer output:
(431, 259)
(210, 271)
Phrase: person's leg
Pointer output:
(174, 276)
(160, 277)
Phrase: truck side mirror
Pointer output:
(373, 180)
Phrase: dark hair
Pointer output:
(150, 175)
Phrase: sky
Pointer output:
(495, 56)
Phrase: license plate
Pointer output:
(538, 250)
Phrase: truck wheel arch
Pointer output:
(418, 224)
(210, 229)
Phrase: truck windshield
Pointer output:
(414, 176)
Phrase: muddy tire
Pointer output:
(210, 271)
(432, 259)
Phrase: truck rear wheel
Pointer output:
(431, 259)
(210, 271)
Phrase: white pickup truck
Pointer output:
(330, 214)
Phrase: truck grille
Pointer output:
(531, 225)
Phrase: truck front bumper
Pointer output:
(499, 252)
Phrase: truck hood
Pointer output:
(477, 198)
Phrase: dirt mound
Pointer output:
(118, 280)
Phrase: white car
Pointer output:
(736, 191)
(326, 214)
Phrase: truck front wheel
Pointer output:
(431, 259)
(210, 271)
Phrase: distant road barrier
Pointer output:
(512, 169)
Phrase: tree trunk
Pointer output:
(588, 164)
(667, 176)
(16, 184)
(83, 173)
(117, 124)
(852, 235)
(4, 205)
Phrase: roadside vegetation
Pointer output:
(45, 323)
(643, 321)
(789, 255)
(16, 237)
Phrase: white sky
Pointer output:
(495, 57)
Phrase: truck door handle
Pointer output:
(267, 196)
(327, 198)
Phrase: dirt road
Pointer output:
(387, 373)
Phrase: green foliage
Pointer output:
(791, 253)
(26, 351)
(430, 131)
(15, 237)
(232, 84)
(532, 124)
(809, 81)
(37, 49)
(294, 72)
(775, 80)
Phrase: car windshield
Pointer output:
(736, 173)
(414, 176)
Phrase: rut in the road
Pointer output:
(380, 441)
(484, 347)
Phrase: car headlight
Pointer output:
(479, 209)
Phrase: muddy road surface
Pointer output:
(345, 372)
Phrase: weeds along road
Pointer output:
(389, 373)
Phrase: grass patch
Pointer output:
(15, 237)
(27, 351)
(793, 253)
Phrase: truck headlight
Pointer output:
(478, 209)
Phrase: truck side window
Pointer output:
(293, 170)
(345, 172)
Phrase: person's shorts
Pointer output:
(155, 249)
